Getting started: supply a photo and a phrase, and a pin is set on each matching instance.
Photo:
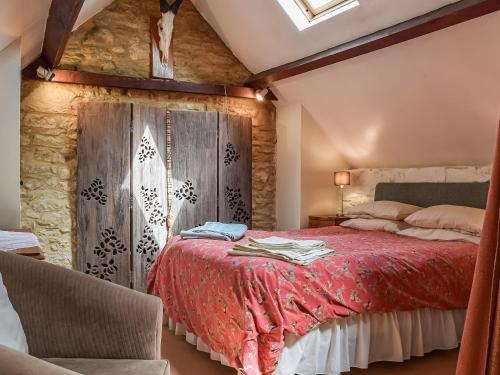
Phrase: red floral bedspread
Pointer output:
(242, 306)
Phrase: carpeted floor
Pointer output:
(186, 360)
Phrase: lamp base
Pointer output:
(340, 209)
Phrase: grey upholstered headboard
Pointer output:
(426, 194)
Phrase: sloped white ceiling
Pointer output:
(434, 100)
(90, 8)
(262, 36)
(26, 19)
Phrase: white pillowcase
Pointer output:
(11, 331)
(359, 216)
(438, 234)
(392, 226)
(389, 210)
(456, 218)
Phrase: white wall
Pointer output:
(320, 160)
(306, 160)
(10, 96)
(288, 167)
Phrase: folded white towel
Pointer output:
(280, 242)
(302, 252)
(304, 260)
(10, 241)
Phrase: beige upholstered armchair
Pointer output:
(77, 324)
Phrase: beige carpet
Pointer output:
(186, 360)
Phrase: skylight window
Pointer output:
(306, 13)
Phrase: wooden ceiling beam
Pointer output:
(60, 22)
(444, 17)
(62, 18)
(95, 79)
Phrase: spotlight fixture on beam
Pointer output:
(260, 95)
(45, 73)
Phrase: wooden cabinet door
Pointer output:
(149, 187)
(235, 169)
(103, 191)
(141, 168)
(193, 149)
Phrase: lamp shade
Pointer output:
(342, 178)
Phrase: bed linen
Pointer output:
(356, 341)
(385, 225)
(242, 307)
(438, 234)
(10, 241)
(458, 218)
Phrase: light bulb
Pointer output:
(260, 95)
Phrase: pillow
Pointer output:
(11, 331)
(389, 210)
(438, 234)
(359, 216)
(392, 226)
(457, 218)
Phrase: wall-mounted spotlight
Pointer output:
(45, 73)
(261, 94)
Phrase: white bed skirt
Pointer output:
(337, 346)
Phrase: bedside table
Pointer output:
(319, 221)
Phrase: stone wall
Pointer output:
(116, 41)
(364, 181)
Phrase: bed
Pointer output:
(379, 297)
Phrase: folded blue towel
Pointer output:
(216, 231)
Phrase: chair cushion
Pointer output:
(112, 366)
(11, 331)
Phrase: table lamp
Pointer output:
(342, 179)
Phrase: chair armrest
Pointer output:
(17, 363)
(67, 314)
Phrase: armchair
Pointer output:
(80, 323)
